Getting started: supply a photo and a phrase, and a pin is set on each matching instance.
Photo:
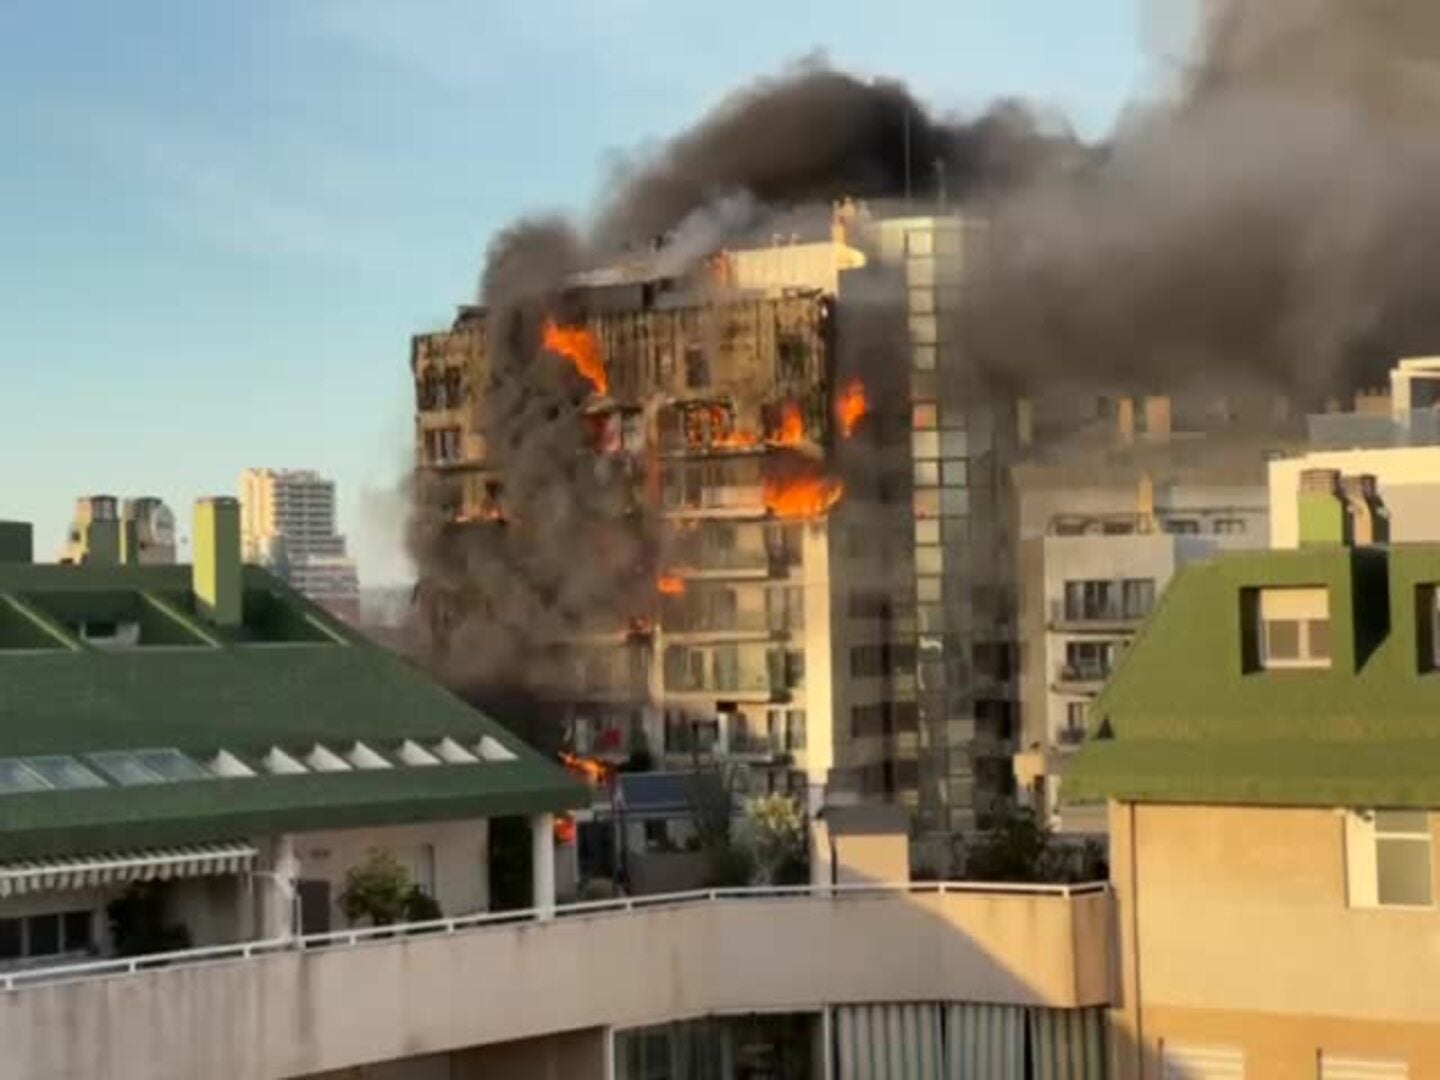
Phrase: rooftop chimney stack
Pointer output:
(1157, 417)
(1124, 421)
(17, 542)
(1324, 517)
(1369, 520)
(215, 547)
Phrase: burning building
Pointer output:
(825, 596)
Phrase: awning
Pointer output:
(112, 867)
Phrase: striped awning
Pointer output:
(112, 867)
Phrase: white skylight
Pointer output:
(227, 765)
(64, 772)
(452, 753)
(155, 766)
(16, 778)
(170, 764)
(323, 759)
(125, 768)
(491, 749)
(362, 757)
(278, 763)
(412, 753)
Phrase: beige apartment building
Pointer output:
(1269, 754)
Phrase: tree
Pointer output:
(377, 889)
(1019, 848)
(775, 831)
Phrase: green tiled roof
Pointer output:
(292, 676)
(1185, 717)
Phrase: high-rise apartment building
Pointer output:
(863, 640)
(288, 525)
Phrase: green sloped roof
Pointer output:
(292, 677)
(1185, 717)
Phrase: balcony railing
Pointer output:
(1109, 611)
(1089, 671)
(247, 950)
(733, 622)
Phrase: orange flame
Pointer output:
(722, 436)
(596, 772)
(803, 497)
(564, 829)
(850, 407)
(578, 345)
(792, 426)
(670, 585)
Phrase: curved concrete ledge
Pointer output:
(308, 1011)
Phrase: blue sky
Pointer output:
(220, 222)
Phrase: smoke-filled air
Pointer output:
(1268, 214)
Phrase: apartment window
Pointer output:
(923, 357)
(791, 359)
(1182, 526)
(1294, 628)
(697, 369)
(1137, 597)
(923, 416)
(925, 444)
(1389, 861)
(927, 474)
(52, 934)
(795, 730)
(1228, 526)
(1348, 1067)
(1090, 661)
(1074, 722)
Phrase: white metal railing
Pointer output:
(17, 980)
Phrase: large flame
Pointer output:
(671, 585)
(591, 769)
(851, 407)
(578, 345)
(792, 426)
(802, 497)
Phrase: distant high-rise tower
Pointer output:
(287, 523)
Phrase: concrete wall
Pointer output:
(293, 1014)
(868, 858)
(1408, 478)
(457, 850)
(1245, 939)
(574, 1055)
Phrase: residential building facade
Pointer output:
(1267, 749)
(865, 642)
(196, 756)
(1099, 541)
(288, 524)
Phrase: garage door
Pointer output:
(1336, 1067)
(1185, 1061)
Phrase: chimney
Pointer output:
(101, 526)
(1157, 417)
(1124, 421)
(1323, 514)
(1145, 503)
(215, 549)
(1370, 521)
(17, 542)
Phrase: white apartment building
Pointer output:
(1098, 546)
(288, 524)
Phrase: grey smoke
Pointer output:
(1271, 221)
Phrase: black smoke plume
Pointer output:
(1269, 219)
